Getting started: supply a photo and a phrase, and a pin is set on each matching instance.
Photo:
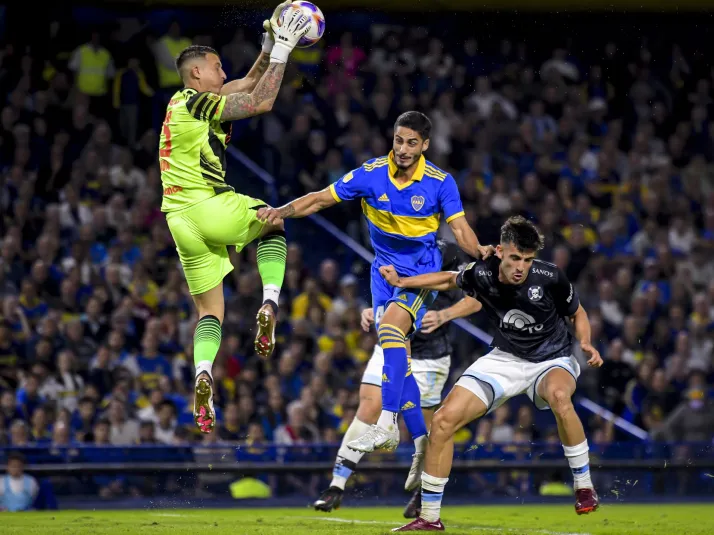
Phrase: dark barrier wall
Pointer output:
(452, 5)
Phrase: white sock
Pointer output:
(204, 366)
(420, 443)
(388, 420)
(347, 459)
(579, 462)
(432, 491)
(272, 293)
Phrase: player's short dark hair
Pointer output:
(521, 233)
(415, 120)
(192, 52)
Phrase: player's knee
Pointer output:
(388, 332)
(560, 402)
(444, 424)
(369, 408)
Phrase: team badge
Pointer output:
(349, 176)
(535, 293)
(417, 202)
(213, 97)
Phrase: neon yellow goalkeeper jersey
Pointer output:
(192, 149)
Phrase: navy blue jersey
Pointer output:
(529, 318)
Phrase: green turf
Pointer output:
(614, 519)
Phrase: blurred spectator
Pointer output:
(18, 490)
(123, 430)
(93, 67)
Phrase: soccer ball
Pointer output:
(318, 21)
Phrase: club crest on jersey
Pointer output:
(417, 202)
(535, 293)
(214, 97)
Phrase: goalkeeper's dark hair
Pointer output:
(192, 52)
(523, 234)
(415, 120)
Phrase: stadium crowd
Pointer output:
(612, 158)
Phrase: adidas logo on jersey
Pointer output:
(385, 379)
(383, 197)
(403, 298)
(408, 405)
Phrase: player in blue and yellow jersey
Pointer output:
(404, 197)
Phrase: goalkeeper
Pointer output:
(204, 213)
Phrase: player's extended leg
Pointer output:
(392, 331)
(431, 377)
(461, 407)
(206, 342)
(557, 388)
(413, 507)
(272, 256)
(370, 404)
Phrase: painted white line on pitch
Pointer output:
(171, 515)
(348, 521)
(480, 528)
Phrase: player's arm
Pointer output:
(262, 97)
(260, 100)
(453, 210)
(567, 303)
(352, 185)
(249, 82)
(300, 207)
(440, 281)
(467, 240)
(434, 319)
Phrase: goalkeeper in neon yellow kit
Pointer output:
(204, 214)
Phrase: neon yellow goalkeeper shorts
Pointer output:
(203, 231)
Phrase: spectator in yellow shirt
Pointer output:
(310, 296)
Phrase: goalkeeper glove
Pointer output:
(288, 35)
(268, 37)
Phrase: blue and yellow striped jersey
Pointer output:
(403, 218)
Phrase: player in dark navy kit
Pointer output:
(531, 304)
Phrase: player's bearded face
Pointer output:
(515, 264)
(407, 146)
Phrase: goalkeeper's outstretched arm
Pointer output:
(262, 97)
(260, 100)
(250, 81)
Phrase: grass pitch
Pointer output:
(616, 519)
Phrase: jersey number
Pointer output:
(166, 151)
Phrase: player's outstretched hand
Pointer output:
(269, 215)
(595, 360)
(295, 25)
(268, 23)
(486, 251)
(389, 274)
(433, 319)
(367, 319)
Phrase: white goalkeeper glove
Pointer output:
(288, 35)
(268, 37)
